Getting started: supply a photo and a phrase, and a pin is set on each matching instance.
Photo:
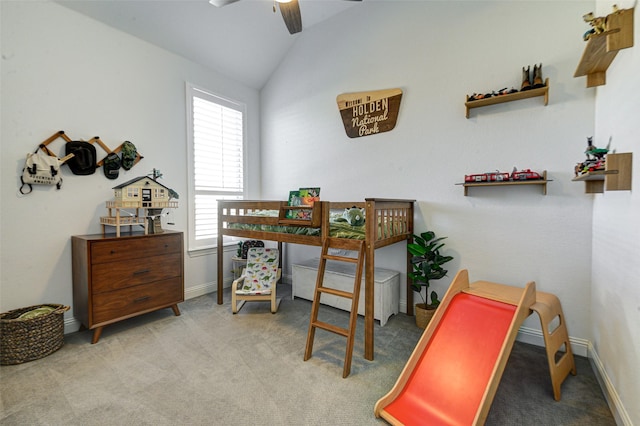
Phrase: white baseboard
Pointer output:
(71, 325)
(611, 395)
(200, 290)
(534, 336)
(583, 347)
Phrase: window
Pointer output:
(216, 161)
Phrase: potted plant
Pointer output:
(427, 264)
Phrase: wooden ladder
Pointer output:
(349, 333)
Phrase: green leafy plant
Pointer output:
(427, 264)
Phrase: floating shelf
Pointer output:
(615, 177)
(602, 48)
(541, 91)
(542, 182)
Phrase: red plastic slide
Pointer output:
(453, 374)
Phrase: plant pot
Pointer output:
(424, 313)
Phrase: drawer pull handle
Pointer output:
(144, 271)
(141, 299)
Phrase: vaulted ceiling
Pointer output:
(245, 40)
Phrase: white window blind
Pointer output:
(217, 161)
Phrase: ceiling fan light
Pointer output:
(283, 1)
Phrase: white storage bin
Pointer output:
(341, 276)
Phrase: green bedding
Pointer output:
(336, 229)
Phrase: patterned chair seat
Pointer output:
(258, 279)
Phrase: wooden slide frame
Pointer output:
(522, 299)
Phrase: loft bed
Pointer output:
(387, 221)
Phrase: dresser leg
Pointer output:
(96, 335)
(176, 311)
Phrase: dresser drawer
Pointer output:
(125, 249)
(116, 278)
(133, 300)
(122, 274)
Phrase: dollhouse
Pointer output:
(145, 197)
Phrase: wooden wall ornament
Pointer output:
(95, 139)
(369, 113)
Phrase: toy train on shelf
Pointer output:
(497, 176)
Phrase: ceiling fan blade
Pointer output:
(291, 14)
(220, 3)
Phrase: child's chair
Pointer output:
(258, 279)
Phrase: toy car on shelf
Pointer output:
(526, 174)
(487, 177)
(597, 165)
(590, 165)
(482, 177)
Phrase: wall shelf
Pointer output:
(615, 177)
(542, 91)
(541, 182)
(602, 48)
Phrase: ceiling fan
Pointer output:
(290, 10)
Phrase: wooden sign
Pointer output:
(368, 113)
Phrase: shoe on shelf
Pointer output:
(526, 79)
(537, 77)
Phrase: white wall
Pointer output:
(63, 71)
(437, 52)
(615, 294)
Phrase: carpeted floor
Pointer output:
(209, 367)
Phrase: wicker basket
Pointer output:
(423, 315)
(23, 340)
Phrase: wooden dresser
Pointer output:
(115, 278)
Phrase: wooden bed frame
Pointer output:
(396, 214)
